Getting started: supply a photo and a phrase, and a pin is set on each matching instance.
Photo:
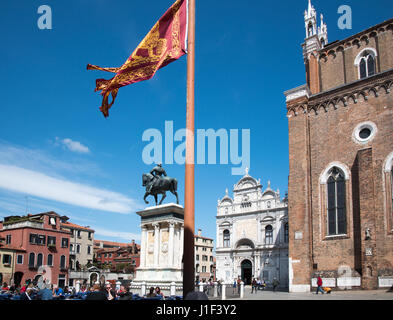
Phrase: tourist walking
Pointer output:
(219, 287)
(275, 284)
(263, 284)
(253, 285)
(319, 285)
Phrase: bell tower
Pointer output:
(322, 33)
(316, 39)
(310, 20)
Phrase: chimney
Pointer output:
(199, 232)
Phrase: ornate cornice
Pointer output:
(345, 95)
(297, 93)
(356, 40)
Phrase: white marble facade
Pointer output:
(161, 245)
(252, 233)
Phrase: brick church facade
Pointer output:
(341, 160)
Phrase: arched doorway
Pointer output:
(93, 278)
(102, 280)
(246, 267)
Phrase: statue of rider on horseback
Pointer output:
(157, 182)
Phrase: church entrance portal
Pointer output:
(246, 271)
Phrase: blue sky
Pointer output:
(57, 152)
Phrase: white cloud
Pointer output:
(39, 160)
(74, 146)
(38, 184)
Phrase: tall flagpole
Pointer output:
(189, 203)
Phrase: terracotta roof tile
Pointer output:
(115, 244)
(75, 226)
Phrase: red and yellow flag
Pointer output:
(165, 43)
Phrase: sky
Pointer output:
(57, 151)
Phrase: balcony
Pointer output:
(21, 224)
(52, 246)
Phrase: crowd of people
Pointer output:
(256, 285)
(260, 284)
(41, 291)
(208, 285)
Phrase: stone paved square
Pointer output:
(334, 295)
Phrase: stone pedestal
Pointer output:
(161, 245)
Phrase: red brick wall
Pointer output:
(298, 199)
(330, 140)
(321, 132)
(313, 74)
(337, 61)
(115, 259)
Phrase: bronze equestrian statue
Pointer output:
(157, 182)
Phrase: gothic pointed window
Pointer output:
(39, 259)
(366, 64)
(31, 259)
(336, 203)
(363, 69)
(50, 259)
(310, 29)
(391, 187)
(62, 262)
(370, 65)
(226, 239)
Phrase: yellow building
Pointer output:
(7, 261)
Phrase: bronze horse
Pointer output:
(160, 186)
